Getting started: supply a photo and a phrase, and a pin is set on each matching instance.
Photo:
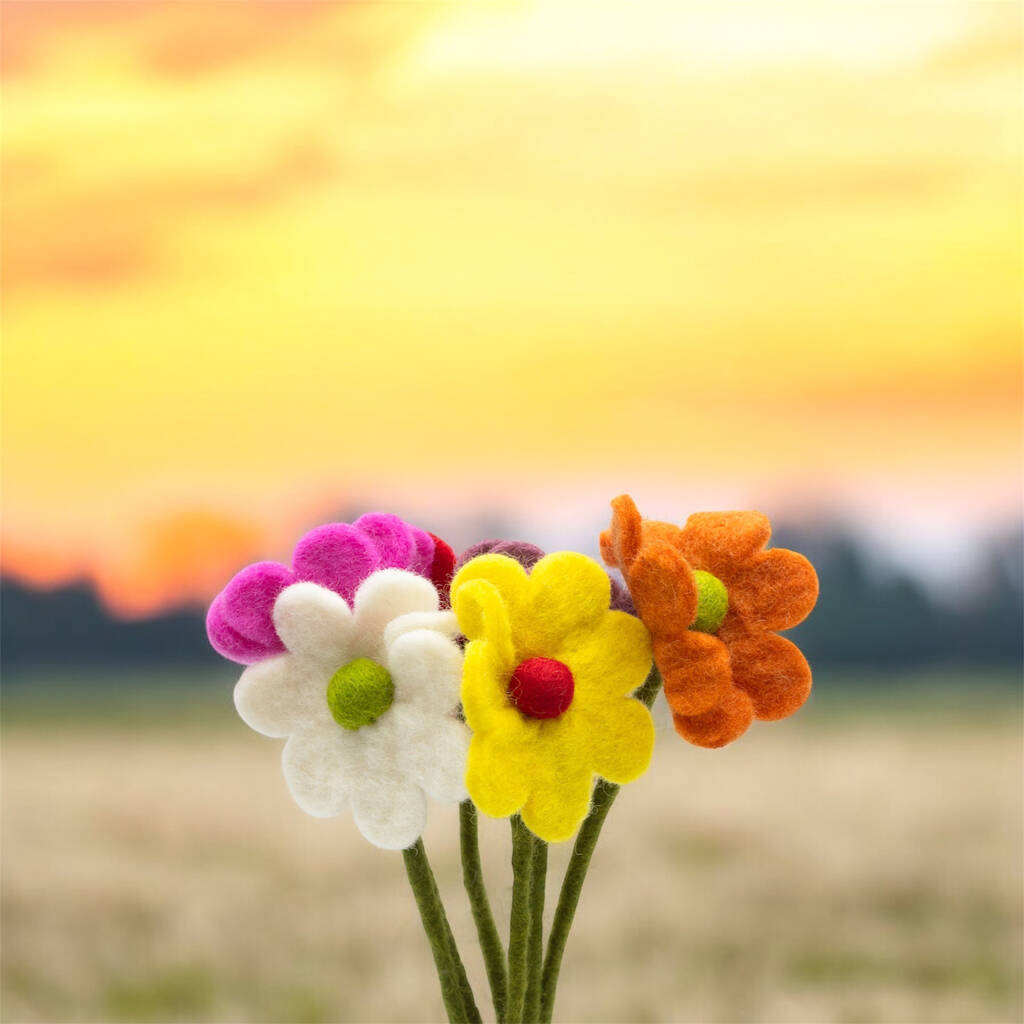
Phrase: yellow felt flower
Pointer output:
(546, 688)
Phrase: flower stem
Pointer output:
(473, 878)
(455, 988)
(519, 922)
(572, 885)
(535, 952)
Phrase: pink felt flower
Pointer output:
(338, 556)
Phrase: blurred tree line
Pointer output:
(869, 616)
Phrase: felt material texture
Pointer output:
(442, 569)
(712, 602)
(528, 555)
(414, 748)
(716, 643)
(544, 768)
(541, 687)
(359, 693)
(338, 556)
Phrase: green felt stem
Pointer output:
(455, 989)
(519, 922)
(572, 885)
(473, 878)
(535, 949)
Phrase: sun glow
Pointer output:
(269, 261)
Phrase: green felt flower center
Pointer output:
(359, 693)
(712, 602)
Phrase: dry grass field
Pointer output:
(853, 864)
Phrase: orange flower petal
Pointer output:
(663, 590)
(772, 671)
(655, 531)
(776, 591)
(620, 544)
(695, 670)
(719, 726)
(721, 541)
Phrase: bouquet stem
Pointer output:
(572, 885)
(473, 878)
(455, 988)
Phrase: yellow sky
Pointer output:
(264, 259)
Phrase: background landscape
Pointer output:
(271, 264)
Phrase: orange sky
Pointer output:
(264, 260)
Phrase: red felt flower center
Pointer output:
(541, 687)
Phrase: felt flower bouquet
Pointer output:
(513, 683)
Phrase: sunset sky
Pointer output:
(266, 261)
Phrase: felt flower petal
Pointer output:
(718, 541)
(443, 622)
(663, 589)
(495, 775)
(391, 812)
(481, 612)
(383, 597)
(239, 622)
(336, 556)
(432, 750)
(620, 740)
(392, 536)
(567, 593)
(612, 660)
(279, 695)
(776, 591)
(505, 575)
(426, 669)
(230, 643)
(719, 726)
(772, 671)
(320, 768)
(695, 671)
(526, 554)
(314, 622)
(558, 801)
(485, 675)
(620, 544)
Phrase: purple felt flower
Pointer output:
(338, 556)
(528, 555)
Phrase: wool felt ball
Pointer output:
(519, 622)
(541, 687)
(338, 556)
(714, 598)
(712, 602)
(367, 698)
(359, 693)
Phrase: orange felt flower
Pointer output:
(713, 600)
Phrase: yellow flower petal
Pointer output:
(505, 575)
(485, 674)
(495, 778)
(559, 800)
(611, 660)
(619, 739)
(567, 593)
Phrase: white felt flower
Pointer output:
(367, 698)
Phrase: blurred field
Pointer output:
(861, 862)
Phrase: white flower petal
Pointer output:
(432, 749)
(314, 622)
(320, 767)
(382, 597)
(282, 694)
(389, 809)
(440, 622)
(426, 669)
